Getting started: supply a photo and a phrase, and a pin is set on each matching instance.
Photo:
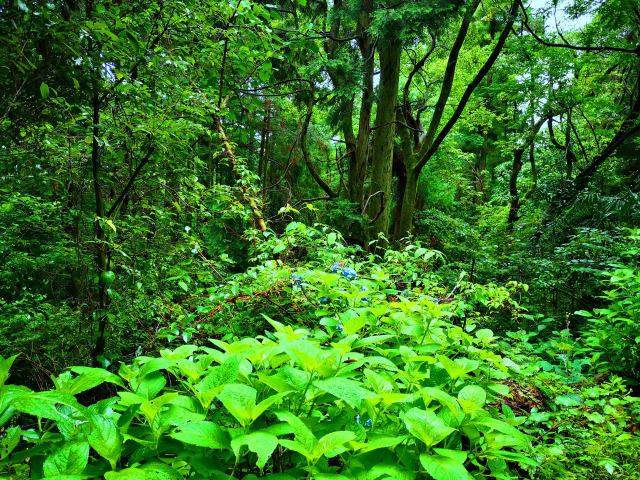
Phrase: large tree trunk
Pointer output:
(358, 166)
(378, 205)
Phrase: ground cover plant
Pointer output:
(295, 239)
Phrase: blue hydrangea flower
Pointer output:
(296, 279)
(349, 273)
(368, 423)
(324, 300)
(340, 327)
(336, 267)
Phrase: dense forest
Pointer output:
(320, 239)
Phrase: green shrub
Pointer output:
(386, 391)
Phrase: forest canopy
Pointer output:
(314, 239)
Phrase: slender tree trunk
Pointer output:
(433, 140)
(101, 240)
(403, 225)
(248, 193)
(514, 202)
(568, 155)
(305, 149)
(264, 157)
(378, 208)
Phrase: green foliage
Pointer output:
(404, 389)
(613, 332)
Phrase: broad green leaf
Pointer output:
(286, 379)
(426, 426)
(296, 446)
(105, 438)
(349, 391)
(151, 385)
(45, 405)
(89, 378)
(218, 376)
(239, 400)
(5, 366)
(389, 471)
(9, 441)
(306, 355)
(472, 398)
(202, 434)
(70, 459)
(148, 471)
(484, 335)
(302, 433)
(333, 444)
(354, 325)
(569, 400)
(378, 443)
(263, 444)
(44, 90)
(517, 438)
(447, 465)
(151, 408)
(431, 393)
(458, 367)
(266, 403)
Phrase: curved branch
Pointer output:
(430, 149)
(449, 74)
(132, 179)
(539, 39)
(305, 150)
(416, 68)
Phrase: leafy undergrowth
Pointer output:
(368, 368)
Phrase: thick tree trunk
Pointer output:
(379, 207)
(358, 167)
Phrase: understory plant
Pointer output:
(388, 390)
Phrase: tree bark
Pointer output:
(358, 167)
(378, 211)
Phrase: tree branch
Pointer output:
(635, 51)
(431, 149)
(449, 74)
(132, 179)
(305, 150)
